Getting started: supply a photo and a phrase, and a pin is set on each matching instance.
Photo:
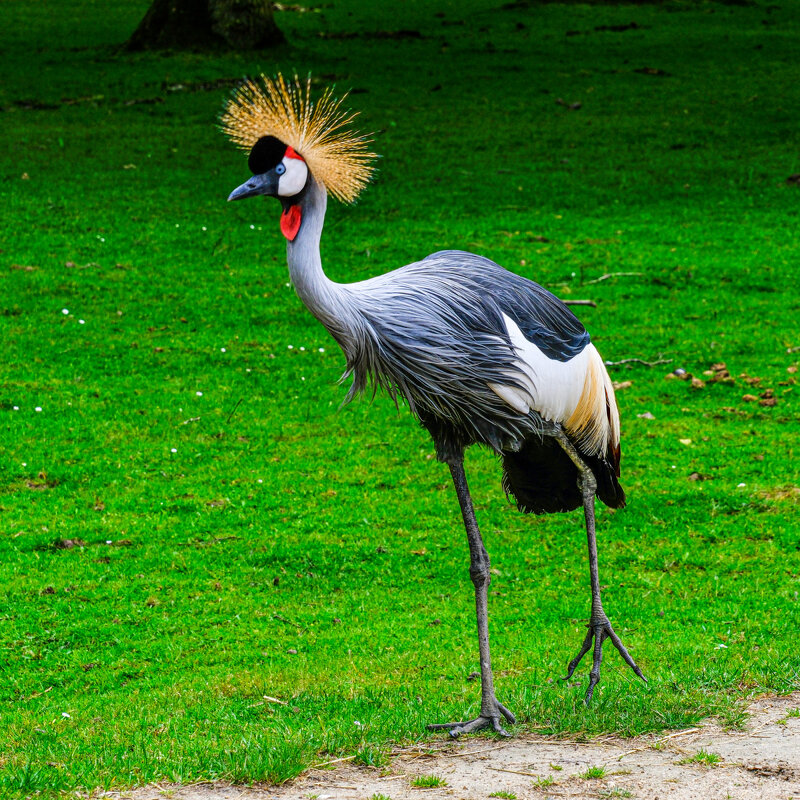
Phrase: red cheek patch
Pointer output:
(290, 222)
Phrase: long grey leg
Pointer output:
(491, 709)
(599, 625)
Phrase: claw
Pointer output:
(599, 631)
(455, 729)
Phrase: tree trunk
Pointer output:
(204, 24)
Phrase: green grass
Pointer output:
(504, 795)
(704, 758)
(428, 782)
(593, 773)
(255, 573)
(371, 755)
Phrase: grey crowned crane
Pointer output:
(479, 354)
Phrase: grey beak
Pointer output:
(258, 184)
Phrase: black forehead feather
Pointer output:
(267, 153)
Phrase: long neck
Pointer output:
(324, 298)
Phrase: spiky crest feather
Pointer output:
(318, 130)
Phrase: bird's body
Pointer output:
(479, 354)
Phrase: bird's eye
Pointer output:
(280, 169)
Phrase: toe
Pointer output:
(512, 720)
(499, 729)
(444, 726)
(587, 643)
(623, 651)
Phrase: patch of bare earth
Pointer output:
(703, 763)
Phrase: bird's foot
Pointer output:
(491, 714)
(599, 630)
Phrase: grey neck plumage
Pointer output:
(333, 304)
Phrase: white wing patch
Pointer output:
(577, 393)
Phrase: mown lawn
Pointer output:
(187, 520)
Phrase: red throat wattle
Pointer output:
(290, 222)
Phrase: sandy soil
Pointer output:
(760, 763)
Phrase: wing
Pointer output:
(539, 314)
(455, 332)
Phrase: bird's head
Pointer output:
(278, 171)
(289, 137)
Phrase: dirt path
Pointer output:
(761, 763)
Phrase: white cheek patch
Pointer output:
(294, 179)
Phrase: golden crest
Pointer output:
(319, 130)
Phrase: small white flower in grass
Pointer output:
(223, 350)
(16, 408)
(199, 394)
(720, 646)
(303, 349)
(356, 722)
(252, 227)
(321, 349)
(741, 485)
(673, 467)
(65, 715)
(287, 285)
(302, 377)
(108, 541)
(65, 311)
(24, 463)
(290, 347)
(38, 408)
(173, 449)
(259, 481)
(81, 322)
(204, 228)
